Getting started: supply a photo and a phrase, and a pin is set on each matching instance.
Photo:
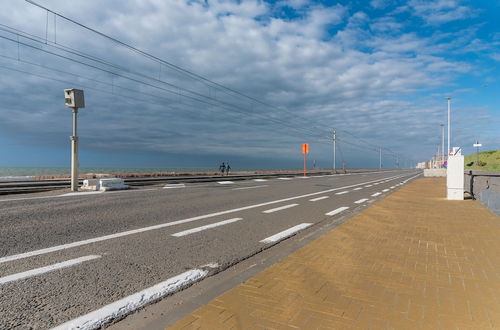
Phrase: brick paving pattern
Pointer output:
(413, 260)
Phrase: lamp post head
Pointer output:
(73, 98)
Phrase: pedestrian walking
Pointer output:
(222, 168)
(227, 169)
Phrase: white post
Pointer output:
(74, 153)
(334, 150)
(449, 123)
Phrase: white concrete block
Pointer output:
(455, 177)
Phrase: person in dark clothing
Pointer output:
(222, 168)
(227, 169)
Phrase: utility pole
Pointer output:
(380, 159)
(449, 123)
(334, 150)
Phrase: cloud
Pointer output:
(328, 67)
(436, 12)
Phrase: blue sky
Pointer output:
(286, 72)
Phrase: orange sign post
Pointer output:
(305, 151)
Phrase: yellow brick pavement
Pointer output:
(414, 260)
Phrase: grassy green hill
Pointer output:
(488, 161)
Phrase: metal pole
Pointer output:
(74, 153)
(334, 151)
(477, 153)
(380, 158)
(304, 164)
(442, 144)
(449, 123)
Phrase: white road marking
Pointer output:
(385, 190)
(342, 192)
(393, 187)
(259, 180)
(368, 186)
(46, 269)
(302, 177)
(82, 193)
(285, 233)
(212, 225)
(284, 178)
(361, 201)
(280, 208)
(122, 307)
(318, 198)
(252, 187)
(376, 194)
(337, 211)
(359, 188)
(225, 182)
(167, 224)
(174, 186)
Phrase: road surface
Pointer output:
(81, 259)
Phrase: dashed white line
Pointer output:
(225, 182)
(393, 187)
(280, 208)
(318, 198)
(337, 211)
(376, 194)
(385, 190)
(361, 201)
(359, 188)
(212, 225)
(286, 233)
(252, 187)
(174, 186)
(284, 178)
(259, 180)
(368, 186)
(46, 269)
(342, 192)
(122, 307)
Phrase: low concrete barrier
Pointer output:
(484, 186)
(433, 172)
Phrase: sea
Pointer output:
(28, 173)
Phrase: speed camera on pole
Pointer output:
(73, 98)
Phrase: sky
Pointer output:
(172, 83)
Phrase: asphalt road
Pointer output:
(65, 256)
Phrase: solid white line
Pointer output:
(361, 201)
(337, 211)
(122, 307)
(225, 182)
(259, 180)
(212, 225)
(357, 188)
(342, 192)
(167, 224)
(252, 187)
(376, 194)
(280, 208)
(318, 198)
(46, 269)
(385, 190)
(174, 186)
(285, 233)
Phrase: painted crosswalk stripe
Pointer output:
(46, 269)
(342, 192)
(280, 208)
(337, 211)
(127, 305)
(212, 225)
(286, 233)
(385, 190)
(376, 194)
(361, 201)
(318, 198)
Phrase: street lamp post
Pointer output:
(449, 123)
(73, 98)
(334, 150)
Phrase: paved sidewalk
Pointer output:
(413, 260)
